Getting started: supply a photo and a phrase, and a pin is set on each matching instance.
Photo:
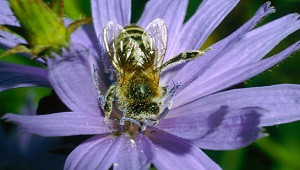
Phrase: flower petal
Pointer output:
(134, 154)
(230, 78)
(8, 40)
(14, 76)
(71, 78)
(61, 124)
(176, 153)
(207, 17)
(191, 126)
(199, 66)
(86, 36)
(254, 45)
(110, 10)
(279, 102)
(171, 11)
(102, 151)
(97, 152)
(221, 128)
(6, 15)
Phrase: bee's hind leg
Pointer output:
(168, 101)
(145, 124)
(189, 55)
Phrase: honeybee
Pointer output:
(137, 57)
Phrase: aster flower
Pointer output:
(203, 114)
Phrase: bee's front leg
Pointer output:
(109, 98)
(101, 98)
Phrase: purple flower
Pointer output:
(203, 114)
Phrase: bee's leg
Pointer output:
(109, 98)
(123, 118)
(168, 101)
(95, 79)
(112, 75)
(101, 98)
(145, 124)
(134, 121)
(189, 55)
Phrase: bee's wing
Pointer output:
(110, 34)
(158, 32)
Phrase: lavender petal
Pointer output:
(230, 77)
(98, 152)
(134, 154)
(172, 12)
(72, 80)
(279, 102)
(14, 76)
(110, 10)
(86, 36)
(176, 153)
(199, 66)
(8, 40)
(254, 45)
(196, 30)
(221, 128)
(61, 124)
(6, 15)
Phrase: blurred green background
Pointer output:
(279, 151)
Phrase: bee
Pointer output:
(137, 57)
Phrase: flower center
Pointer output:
(129, 128)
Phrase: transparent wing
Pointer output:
(110, 35)
(157, 31)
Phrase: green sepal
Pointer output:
(35, 18)
(76, 24)
(58, 7)
(42, 26)
(16, 49)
